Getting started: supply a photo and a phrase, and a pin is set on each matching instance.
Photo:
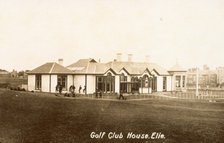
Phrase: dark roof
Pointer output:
(86, 66)
(50, 68)
(90, 66)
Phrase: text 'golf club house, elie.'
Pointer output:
(116, 76)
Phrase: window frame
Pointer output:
(38, 82)
(62, 79)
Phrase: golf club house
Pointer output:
(116, 76)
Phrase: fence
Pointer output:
(210, 95)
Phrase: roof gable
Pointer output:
(147, 71)
(110, 71)
(124, 69)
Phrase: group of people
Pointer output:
(59, 88)
(99, 93)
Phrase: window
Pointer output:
(135, 84)
(38, 82)
(100, 83)
(183, 81)
(145, 81)
(62, 80)
(100, 79)
(164, 83)
(123, 83)
(110, 81)
(105, 83)
(154, 84)
(178, 81)
(123, 77)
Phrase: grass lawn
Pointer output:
(36, 118)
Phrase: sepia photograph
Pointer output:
(111, 71)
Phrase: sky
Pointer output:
(190, 32)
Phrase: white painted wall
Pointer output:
(159, 83)
(173, 83)
(79, 80)
(69, 82)
(117, 84)
(31, 82)
(91, 84)
(169, 83)
(145, 90)
(45, 80)
(54, 81)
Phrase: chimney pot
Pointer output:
(60, 61)
(119, 57)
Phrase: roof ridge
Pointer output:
(52, 67)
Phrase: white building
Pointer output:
(178, 78)
(113, 77)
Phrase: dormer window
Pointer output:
(145, 81)
(123, 77)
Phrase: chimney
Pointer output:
(60, 61)
(119, 57)
(130, 57)
(147, 58)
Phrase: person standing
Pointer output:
(84, 89)
(60, 88)
(80, 88)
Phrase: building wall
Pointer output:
(69, 82)
(220, 75)
(145, 90)
(45, 81)
(159, 83)
(91, 84)
(54, 79)
(79, 80)
(31, 82)
(169, 83)
(117, 84)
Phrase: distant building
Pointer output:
(206, 78)
(220, 75)
(4, 73)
